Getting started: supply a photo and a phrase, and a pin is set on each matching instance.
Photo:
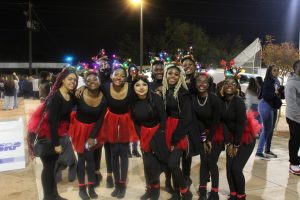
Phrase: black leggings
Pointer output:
(152, 169)
(235, 166)
(119, 160)
(294, 142)
(47, 176)
(174, 166)
(186, 164)
(97, 158)
(108, 158)
(209, 165)
(86, 162)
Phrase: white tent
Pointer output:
(250, 58)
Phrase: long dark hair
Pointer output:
(269, 72)
(149, 96)
(252, 87)
(10, 81)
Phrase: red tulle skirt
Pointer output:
(171, 125)
(44, 130)
(118, 128)
(251, 129)
(80, 132)
(146, 137)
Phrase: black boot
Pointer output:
(98, 178)
(231, 197)
(202, 194)
(187, 196)
(213, 196)
(155, 192)
(83, 194)
(92, 193)
(122, 191)
(147, 194)
(109, 182)
(116, 190)
(136, 153)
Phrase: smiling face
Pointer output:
(158, 71)
(188, 66)
(173, 75)
(141, 89)
(118, 77)
(202, 83)
(230, 86)
(70, 82)
(92, 82)
(275, 71)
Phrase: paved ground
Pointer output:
(265, 180)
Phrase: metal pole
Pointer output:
(29, 25)
(141, 37)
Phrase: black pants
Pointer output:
(97, 158)
(48, 181)
(235, 166)
(119, 161)
(186, 164)
(152, 169)
(294, 142)
(108, 157)
(174, 166)
(209, 165)
(86, 163)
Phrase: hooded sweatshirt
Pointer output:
(292, 96)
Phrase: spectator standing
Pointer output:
(16, 92)
(44, 87)
(9, 91)
(35, 87)
(1, 87)
(292, 94)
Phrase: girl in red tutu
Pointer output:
(58, 106)
(118, 128)
(240, 131)
(207, 109)
(150, 117)
(91, 106)
(179, 120)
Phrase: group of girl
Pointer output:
(175, 117)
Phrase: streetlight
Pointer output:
(141, 30)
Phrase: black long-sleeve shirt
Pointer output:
(118, 106)
(89, 114)
(149, 115)
(180, 109)
(268, 92)
(59, 110)
(208, 116)
(155, 84)
(234, 118)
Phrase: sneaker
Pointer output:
(295, 169)
(270, 154)
(136, 153)
(262, 156)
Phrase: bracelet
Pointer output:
(236, 146)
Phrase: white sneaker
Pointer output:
(295, 169)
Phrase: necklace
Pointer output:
(202, 104)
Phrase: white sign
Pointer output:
(12, 154)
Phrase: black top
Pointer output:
(149, 115)
(234, 118)
(59, 109)
(268, 92)
(192, 83)
(155, 84)
(117, 106)
(179, 108)
(207, 116)
(9, 89)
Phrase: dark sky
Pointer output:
(82, 27)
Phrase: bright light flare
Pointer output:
(135, 1)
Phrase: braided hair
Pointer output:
(181, 82)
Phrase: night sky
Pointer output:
(82, 28)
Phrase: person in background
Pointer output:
(26, 87)
(1, 86)
(9, 92)
(44, 87)
(16, 80)
(292, 96)
(35, 87)
(132, 73)
(271, 93)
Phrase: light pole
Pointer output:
(141, 30)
